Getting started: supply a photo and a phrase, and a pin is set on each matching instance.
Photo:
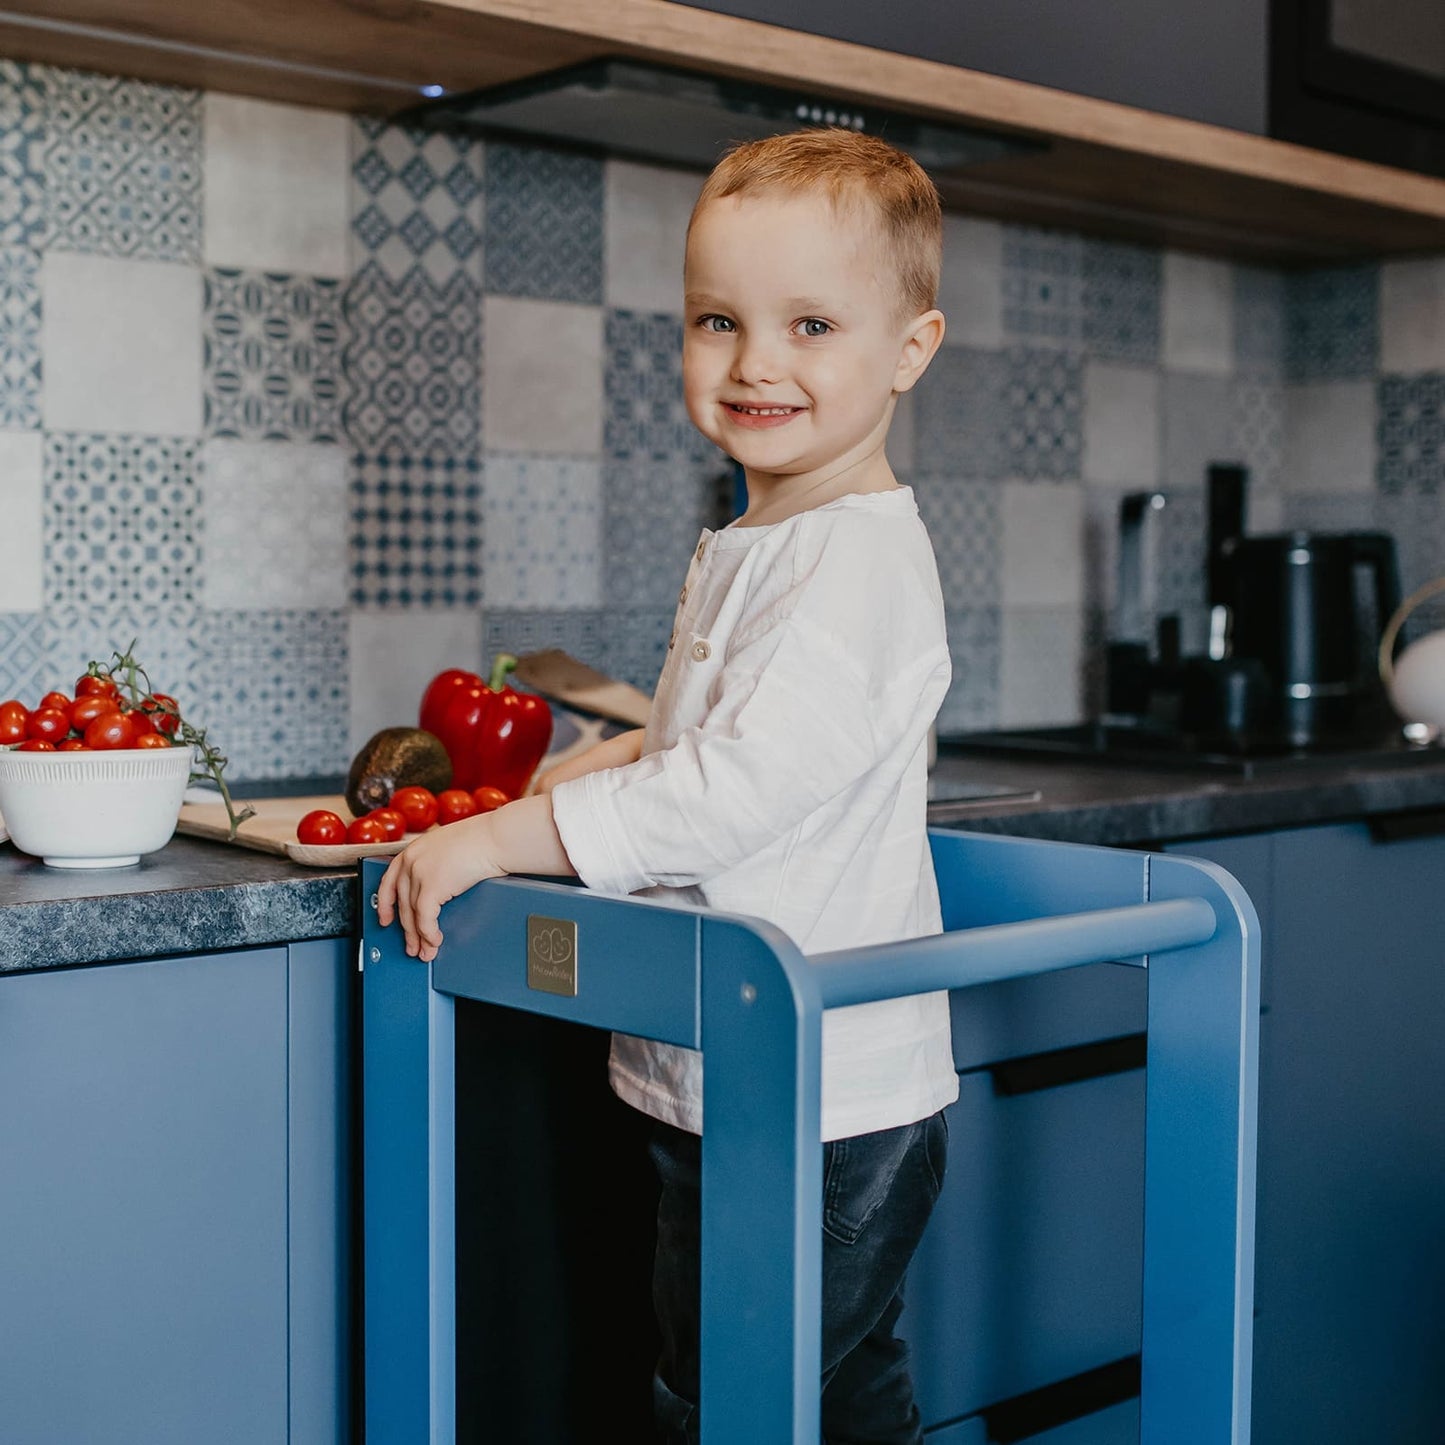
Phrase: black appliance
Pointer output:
(1362, 78)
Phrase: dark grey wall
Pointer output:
(1205, 61)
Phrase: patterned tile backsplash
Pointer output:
(311, 406)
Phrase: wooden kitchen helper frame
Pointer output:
(738, 987)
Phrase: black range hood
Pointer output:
(632, 108)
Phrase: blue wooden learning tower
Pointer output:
(738, 988)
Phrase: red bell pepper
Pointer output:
(494, 735)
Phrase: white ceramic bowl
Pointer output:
(93, 809)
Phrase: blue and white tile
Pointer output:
(1121, 301)
(652, 515)
(544, 231)
(645, 415)
(269, 525)
(1330, 437)
(276, 196)
(395, 654)
(413, 363)
(122, 520)
(1197, 433)
(1259, 322)
(1043, 286)
(1418, 525)
(416, 531)
(582, 632)
(20, 361)
(164, 644)
(22, 163)
(1257, 425)
(416, 202)
(1041, 666)
(123, 166)
(1180, 574)
(24, 669)
(273, 356)
(1042, 528)
(544, 528)
(1332, 511)
(970, 290)
(1332, 323)
(1197, 324)
(1412, 315)
(974, 639)
(1121, 423)
(273, 689)
(22, 487)
(966, 528)
(1043, 421)
(635, 645)
(645, 214)
(542, 386)
(959, 414)
(121, 342)
(1411, 412)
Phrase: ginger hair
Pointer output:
(856, 172)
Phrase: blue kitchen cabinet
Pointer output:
(1349, 1273)
(174, 1248)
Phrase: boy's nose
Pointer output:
(756, 361)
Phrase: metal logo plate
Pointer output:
(552, 954)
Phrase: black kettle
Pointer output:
(1311, 607)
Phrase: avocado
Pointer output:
(396, 758)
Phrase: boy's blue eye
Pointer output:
(813, 326)
(715, 323)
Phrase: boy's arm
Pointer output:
(439, 864)
(614, 752)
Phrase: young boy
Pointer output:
(783, 770)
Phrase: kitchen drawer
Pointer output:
(1030, 1271)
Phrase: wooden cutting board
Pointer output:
(273, 830)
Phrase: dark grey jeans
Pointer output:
(878, 1191)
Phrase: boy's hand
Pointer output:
(432, 869)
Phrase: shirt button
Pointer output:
(682, 597)
(701, 651)
(701, 548)
(672, 639)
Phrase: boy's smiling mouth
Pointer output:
(761, 416)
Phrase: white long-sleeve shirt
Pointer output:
(784, 775)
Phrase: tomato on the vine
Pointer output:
(88, 686)
(366, 830)
(36, 745)
(417, 805)
(454, 804)
(323, 826)
(488, 798)
(84, 710)
(13, 714)
(141, 723)
(48, 724)
(71, 745)
(163, 711)
(110, 730)
(391, 820)
(151, 740)
(59, 700)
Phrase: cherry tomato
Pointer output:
(85, 710)
(36, 745)
(321, 825)
(417, 805)
(151, 740)
(59, 700)
(164, 711)
(488, 798)
(71, 745)
(13, 714)
(89, 686)
(366, 830)
(110, 730)
(392, 820)
(48, 724)
(454, 804)
(141, 723)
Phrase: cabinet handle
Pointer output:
(1052, 1067)
(1030, 1414)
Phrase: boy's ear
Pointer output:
(922, 339)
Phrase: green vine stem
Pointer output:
(208, 763)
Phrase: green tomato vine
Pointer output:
(208, 762)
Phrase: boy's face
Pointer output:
(793, 345)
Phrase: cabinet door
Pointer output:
(143, 1181)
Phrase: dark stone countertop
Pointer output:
(197, 896)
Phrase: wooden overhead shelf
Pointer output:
(1106, 169)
